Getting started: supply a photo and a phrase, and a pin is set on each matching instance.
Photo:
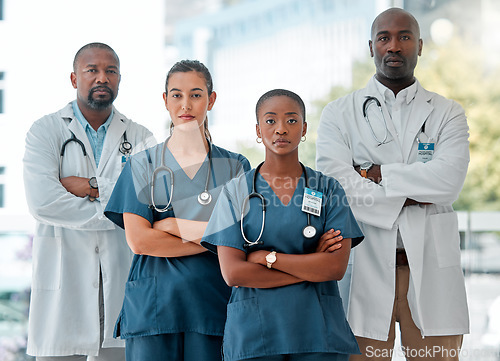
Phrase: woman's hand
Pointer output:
(329, 241)
(258, 257)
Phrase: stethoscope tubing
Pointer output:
(366, 104)
(309, 231)
(204, 198)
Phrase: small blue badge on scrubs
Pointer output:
(124, 160)
(425, 152)
(311, 202)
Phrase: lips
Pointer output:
(186, 117)
(281, 141)
(394, 61)
(101, 90)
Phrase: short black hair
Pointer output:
(280, 92)
(91, 46)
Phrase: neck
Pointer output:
(282, 165)
(95, 118)
(188, 141)
(396, 85)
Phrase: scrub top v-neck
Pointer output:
(302, 318)
(181, 294)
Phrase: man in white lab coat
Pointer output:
(402, 166)
(80, 258)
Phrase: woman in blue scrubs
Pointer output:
(285, 303)
(175, 298)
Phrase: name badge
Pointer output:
(311, 202)
(124, 160)
(425, 152)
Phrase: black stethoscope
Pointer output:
(308, 231)
(125, 147)
(366, 104)
(204, 198)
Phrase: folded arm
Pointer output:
(145, 239)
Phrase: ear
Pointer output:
(257, 130)
(73, 79)
(370, 45)
(211, 100)
(304, 129)
(420, 46)
(165, 100)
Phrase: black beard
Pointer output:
(100, 104)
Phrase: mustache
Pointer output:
(101, 88)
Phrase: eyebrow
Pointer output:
(178, 90)
(95, 66)
(383, 32)
(287, 113)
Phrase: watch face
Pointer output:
(366, 165)
(93, 182)
(271, 257)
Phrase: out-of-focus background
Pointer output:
(317, 48)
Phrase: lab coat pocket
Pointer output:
(243, 335)
(138, 317)
(444, 227)
(47, 261)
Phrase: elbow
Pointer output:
(233, 277)
(136, 246)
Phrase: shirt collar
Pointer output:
(408, 93)
(85, 124)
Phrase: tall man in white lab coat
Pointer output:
(402, 166)
(80, 258)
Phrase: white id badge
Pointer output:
(311, 202)
(425, 152)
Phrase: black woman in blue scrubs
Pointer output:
(175, 297)
(285, 302)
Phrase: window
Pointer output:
(1, 89)
(2, 186)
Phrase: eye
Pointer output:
(292, 121)
(405, 37)
(196, 95)
(269, 121)
(175, 95)
(383, 38)
(112, 71)
(91, 70)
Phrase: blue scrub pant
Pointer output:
(304, 357)
(189, 346)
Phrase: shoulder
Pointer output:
(234, 158)
(321, 182)
(131, 125)
(438, 100)
(56, 118)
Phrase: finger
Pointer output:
(333, 247)
(330, 243)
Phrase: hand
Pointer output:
(412, 202)
(79, 187)
(374, 173)
(258, 257)
(329, 241)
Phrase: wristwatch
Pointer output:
(364, 168)
(270, 259)
(93, 185)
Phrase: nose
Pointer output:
(102, 77)
(186, 105)
(281, 129)
(394, 46)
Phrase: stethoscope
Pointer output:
(366, 104)
(204, 198)
(309, 231)
(125, 147)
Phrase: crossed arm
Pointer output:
(170, 237)
(328, 262)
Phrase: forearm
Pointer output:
(184, 229)
(314, 267)
(145, 240)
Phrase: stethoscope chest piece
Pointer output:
(204, 198)
(125, 147)
(309, 231)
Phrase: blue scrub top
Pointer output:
(172, 295)
(300, 318)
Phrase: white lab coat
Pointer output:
(430, 235)
(73, 238)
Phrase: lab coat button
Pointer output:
(96, 284)
(97, 250)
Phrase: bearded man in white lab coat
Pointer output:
(80, 258)
(402, 166)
